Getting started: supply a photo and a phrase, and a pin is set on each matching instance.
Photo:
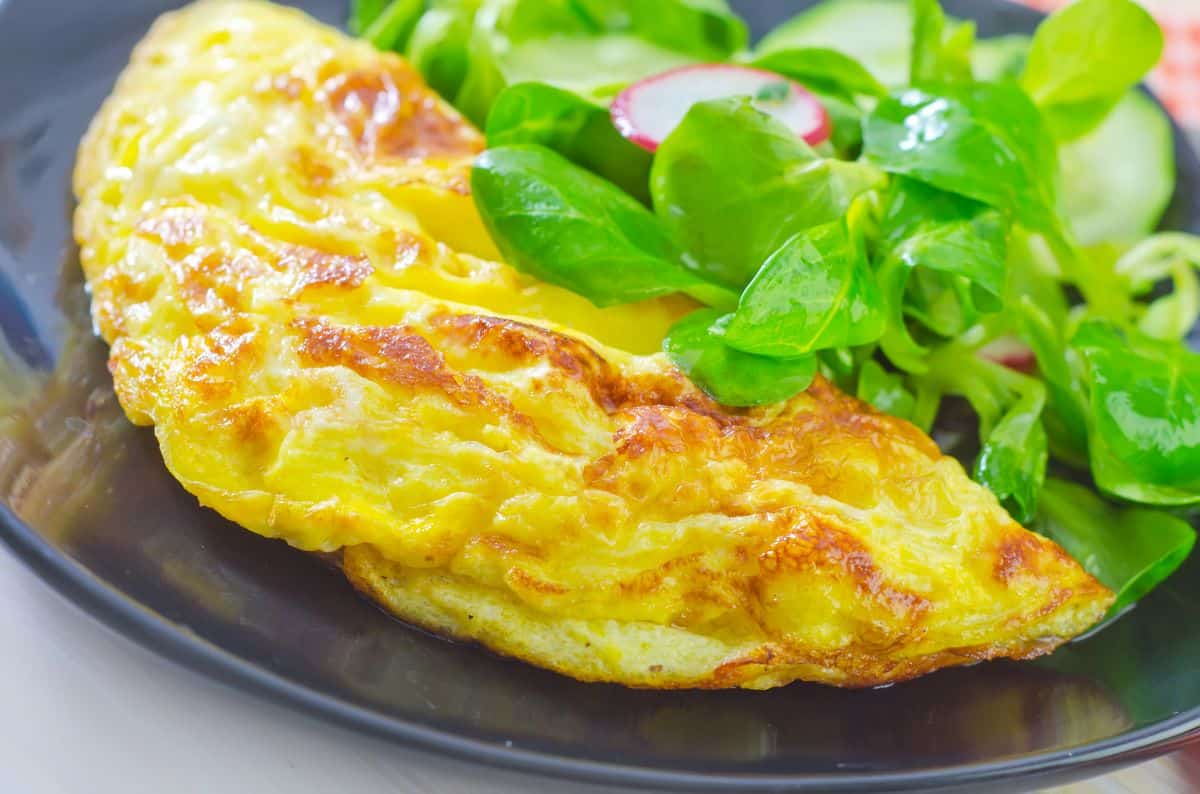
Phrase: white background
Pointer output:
(84, 711)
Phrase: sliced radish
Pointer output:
(648, 110)
(1011, 352)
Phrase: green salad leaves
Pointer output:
(823, 70)
(569, 227)
(816, 292)
(1085, 57)
(975, 236)
(697, 346)
(1130, 549)
(985, 141)
(576, 128)
(732, 185)
(938, 55)
(1144, 400)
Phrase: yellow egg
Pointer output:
(299, 295)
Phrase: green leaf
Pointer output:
(524, 20)
(824, 71)
(773, 92)
(567, 226)
(883, 46)
(942, 262)
(594, 66)
(985, 141)
(363, 13)
(1144, 439)
(497, 29)
(816, 292)
(1000, 57)
(944, 304)
(391, 28)
(936, 56)
(1131, 550)
(593, 48)
(1012, 462)
(1092, 271)
(733, 184)
(840, 365)
(926, 227)
(1085, 57)
(1067, 410)
(705, 29)
(1068, 122)
(1172, 255)
(439, 45)
(696, 345)
(845, 119)
(885, 390)
(577, 129)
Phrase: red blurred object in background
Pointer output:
(1176, 81)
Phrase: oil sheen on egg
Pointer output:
(276, 225)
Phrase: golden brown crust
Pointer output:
(391, 113)
(516, 342)
(862, 663)
(278, 256)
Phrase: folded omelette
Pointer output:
(276, 227)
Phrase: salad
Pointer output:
(928, 219)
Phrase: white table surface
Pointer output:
(84, 711)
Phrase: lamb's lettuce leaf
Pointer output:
(985, 141)
(576, 128)
(567, 226)
(939, 55)
(1084, 58)
(1144, 439)
(732, 184)
(1131, 550)
(696, 344)
(815, 292)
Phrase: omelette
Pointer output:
(277, 231)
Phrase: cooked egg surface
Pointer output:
(275, 223)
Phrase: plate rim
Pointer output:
(176, 643)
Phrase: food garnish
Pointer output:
(975, 223)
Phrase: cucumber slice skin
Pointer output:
(1115, 183)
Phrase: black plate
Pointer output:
(87, 503)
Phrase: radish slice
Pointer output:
(647, 111)
(1011, 352)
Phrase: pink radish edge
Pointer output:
(623, 115)
(1012, 353)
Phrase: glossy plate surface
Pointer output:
(85, 500)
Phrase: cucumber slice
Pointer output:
(885, 45)
(878, 33)
(594, 66)
(1116, 181)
